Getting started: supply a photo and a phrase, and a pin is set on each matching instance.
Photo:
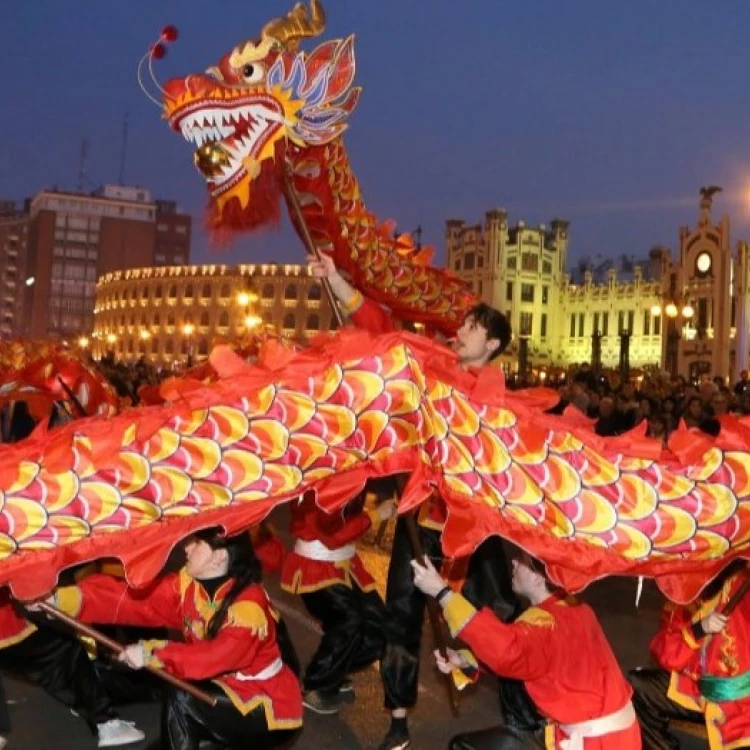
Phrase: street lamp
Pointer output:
(145, 335)
(83, 342)
(111, 338)
(187, 331)
(252, 321)
(672, 313)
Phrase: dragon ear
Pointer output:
(343, 68)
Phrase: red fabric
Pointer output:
(13, 627)
(373, 318)
(269, 549)
(568, 685)
(302, 575)
(724, 654)
(413, 442)
(178, 602)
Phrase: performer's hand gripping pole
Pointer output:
(118, 648)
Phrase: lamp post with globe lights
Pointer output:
(677, 318)
(187, 331)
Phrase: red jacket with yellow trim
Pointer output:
(689, 656)
(560, 652)
(13, 627)
(245, 644)
(302, 575)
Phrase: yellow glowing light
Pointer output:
(656, 310)
(243, 298)
(687, 312)
(145, 334)
(188, 329)
(671, 310)
(83, 342)
(111, 338)
(252, 321)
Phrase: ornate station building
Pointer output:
(679, 314)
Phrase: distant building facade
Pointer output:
(168, 314)
(73, 238)
(679, 314)
(14, 230)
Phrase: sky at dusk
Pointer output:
(608, 113)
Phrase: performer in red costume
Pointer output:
(557, 648)
(484, 335)
(339, 592)
(705, 675)
(230, 645)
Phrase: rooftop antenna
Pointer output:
(123, 150)
(82, 164)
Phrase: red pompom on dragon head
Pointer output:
(266, 123)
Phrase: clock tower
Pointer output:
(698, 291)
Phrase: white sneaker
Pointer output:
(118, 732)
(3, 742)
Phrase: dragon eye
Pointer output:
(253, 72)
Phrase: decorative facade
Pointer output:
(678, 314)
(167, 314)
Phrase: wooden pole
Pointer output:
(433, 610)
(738, 595)
(77, 405)
(294, 204)
(118, 648)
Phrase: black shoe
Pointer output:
(396, 739)
(322, 703)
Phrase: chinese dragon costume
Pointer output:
(354, 406)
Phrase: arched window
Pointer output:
(269, 291)
(173, 292)
(289, 321)
(224, 318)
(203, 347)
(189, 291)
(169, 346)
(313, 322)
(313, 293)
(204, 318)
(290, 292)
(157, 319)
(154, 346)
(144, 292)
(170, 319)
(225, 291)
(206, 291)
(158, 292)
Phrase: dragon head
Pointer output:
(261, 100)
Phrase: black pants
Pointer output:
(488, 583)
(498, 738)
(59, 664)
(4, 715)
(655, 710)
(353, 623)
(187, 721)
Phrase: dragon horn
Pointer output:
(297, 24)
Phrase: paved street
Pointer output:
(39, 723)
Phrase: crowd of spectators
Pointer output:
(657, 398)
